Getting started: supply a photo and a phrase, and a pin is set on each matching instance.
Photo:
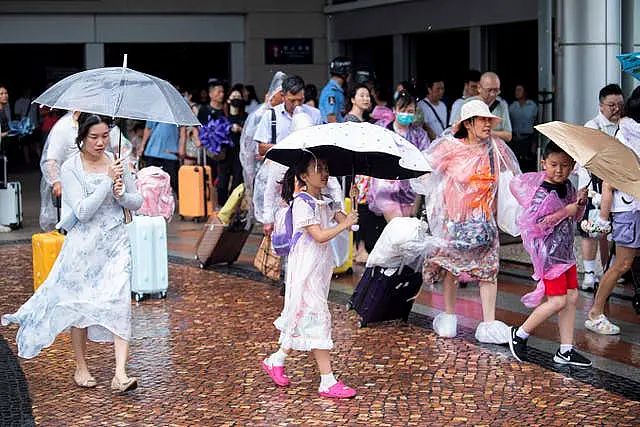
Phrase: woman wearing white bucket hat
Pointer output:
(467, 162)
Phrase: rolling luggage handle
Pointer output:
(202, 161)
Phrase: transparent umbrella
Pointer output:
(120, 92)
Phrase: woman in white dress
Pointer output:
(88, 288)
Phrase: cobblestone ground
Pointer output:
(198, 356)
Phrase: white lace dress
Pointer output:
(89, 284)
(305, 321)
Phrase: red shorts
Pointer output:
(559, 285)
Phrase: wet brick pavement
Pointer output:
(198, 353)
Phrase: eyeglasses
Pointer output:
(611, 106)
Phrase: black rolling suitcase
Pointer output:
(382, 296)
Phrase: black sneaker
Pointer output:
(571, 357)
(518, 346)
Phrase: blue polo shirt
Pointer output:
(164, 137)
(332, 101)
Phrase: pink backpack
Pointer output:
(154, 185)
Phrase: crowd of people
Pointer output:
(470, 146)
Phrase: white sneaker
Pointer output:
(5, 229)
(589, 281)
(446, 325)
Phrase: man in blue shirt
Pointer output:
(160, 144)
(524, 114)
(332, 95)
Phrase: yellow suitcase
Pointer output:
(46, 247)
(344, 268)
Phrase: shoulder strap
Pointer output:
(494, 105)
(307, 198)
(492, 161)
(273, 126)
(435, 113)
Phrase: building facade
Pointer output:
(563, 47)
(187, 41)
(565, 50)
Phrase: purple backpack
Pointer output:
(283, 240)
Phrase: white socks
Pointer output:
(521, 333)
(278, 358)
(327, 381)
(589, 266)
(565, 347)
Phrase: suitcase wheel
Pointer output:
(361, 323)
(201, 265)
(636, 303)
(163, 294)
(230, 263)
(348, 306)
(138, 297)
(181, 217)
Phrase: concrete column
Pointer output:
(93, 55)
(545, 57)
(333, 45)
(476, 48)
(237, 63)
(400, 71)
(589, 38)
(630, 39)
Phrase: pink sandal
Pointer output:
(276, 373)
(338, 391)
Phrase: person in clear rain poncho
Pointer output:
(249, 158)
(462, 213)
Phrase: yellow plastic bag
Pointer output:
(229, 208)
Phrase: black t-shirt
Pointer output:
(560, 189)
(207, 112)
(237, 120)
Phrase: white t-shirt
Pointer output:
(62, 139)
(623, 202)
(283, 123)
(455, 110)
(436, 123)
(603, 124)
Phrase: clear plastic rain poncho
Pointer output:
(266, 194)
(249, 148)
(549, 243)
(461, 208)
(403, 242)
(396, 197)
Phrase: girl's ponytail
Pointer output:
(288, 185)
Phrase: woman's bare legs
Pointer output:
(622, 264)
(121, 348)
(450, 292)
(488, 295)
(79, 343)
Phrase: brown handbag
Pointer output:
(266, 261)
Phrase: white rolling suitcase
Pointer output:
(149, 261)
(11, 205)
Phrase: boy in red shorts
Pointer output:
(551, 207)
